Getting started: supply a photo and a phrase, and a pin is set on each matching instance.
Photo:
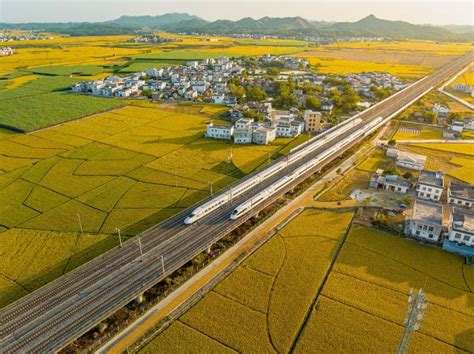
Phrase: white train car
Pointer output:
(275, 187)
(247, 184)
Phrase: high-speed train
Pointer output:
(281, 183)
(247, 184)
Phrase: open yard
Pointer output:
(130, 168)
(262, 304)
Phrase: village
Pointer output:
(27, 36)
(154, 39)
(435, 211)
(6, 51)
(268, 96)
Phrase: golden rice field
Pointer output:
(366, 297)
(130, 168)
(261, 305)
(417, 134)
(409, 46)
(331, 65)
(257, 307)
(465, 172)
(467, 78)
(464, 149)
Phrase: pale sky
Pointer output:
(438, 12)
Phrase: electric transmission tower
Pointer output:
(416, 307)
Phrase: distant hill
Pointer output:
(154, 21)
(373, 26)
(244, 25)
(461, 29)
(295, 26)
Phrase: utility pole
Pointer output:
(80, 223)
(416, 307)
(120, 237)
(140, 247)
(230, 155)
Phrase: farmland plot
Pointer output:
(260, 306)
(128, 169)
(369, 286)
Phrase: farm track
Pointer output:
(53, 316)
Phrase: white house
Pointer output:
(242, 136)
(297, 127)
(284, 130)
(219, 131)
(193, 64)
(396, 184)
(469, 124)
(425, 221)
(461, 227)
(190, 95)
(263, 135)
(457, 126)
(440, 110)
(153, 72)
(461, 194)
(407, 159)
(243, 123)
(218, 98)
(461, 88)
(430, 185)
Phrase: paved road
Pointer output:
(53, 316)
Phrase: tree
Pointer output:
(273, 71)
(311, 102)
(349, 99)
(147, 93)
(255, 93)
(237, 90)
(392, 142)
(380, 92)
(255, 115)
(407, 175)
(430, 117)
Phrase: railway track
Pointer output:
(53, 316)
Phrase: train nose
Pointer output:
(188, 220)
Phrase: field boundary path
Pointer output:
(321, 286)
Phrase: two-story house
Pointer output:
(425, 221)
(461, 194)
(430, 185)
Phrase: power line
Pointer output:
(416, 307)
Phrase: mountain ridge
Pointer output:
(293, 26)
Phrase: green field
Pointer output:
(43, 102)
(259, 306)
(130, 168)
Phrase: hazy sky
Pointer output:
(434, 12)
